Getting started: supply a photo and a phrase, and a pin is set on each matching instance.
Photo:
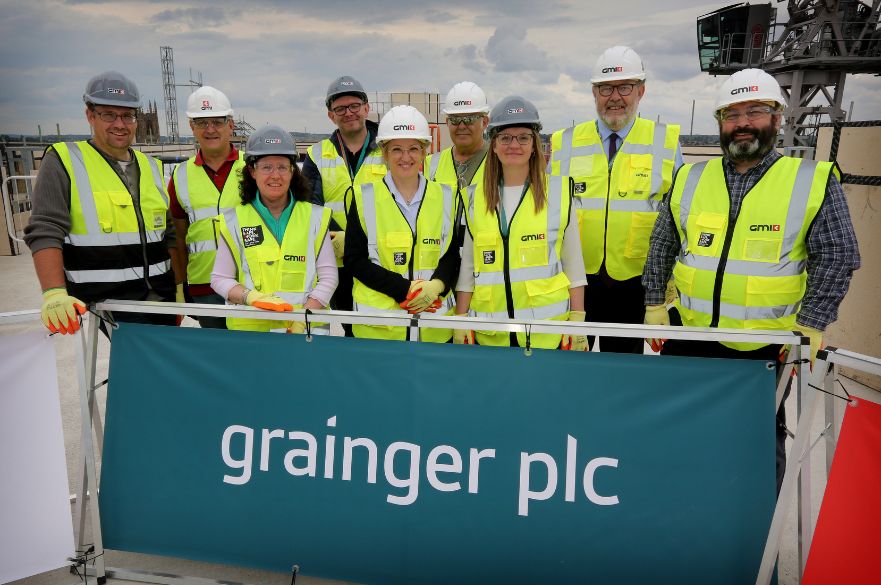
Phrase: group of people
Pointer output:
(488, 228)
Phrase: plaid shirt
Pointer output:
(831, 244)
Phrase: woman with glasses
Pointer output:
(274, 252)
(399, 234)
(521, 257)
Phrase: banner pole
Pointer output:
(805, 520)
(831, 418)
(86, 375)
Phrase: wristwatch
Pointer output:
(245, 292)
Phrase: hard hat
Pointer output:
(513, 111)
(403, 122)
(112, 89)
(749, 85)
(465, 98)
(208, 102)
(344, 85)
(270, 140)
(618, 64)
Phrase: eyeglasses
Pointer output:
(398, 151)
(467, 120)
(110, 117)
(751, 114)
(624, 89)
(353, 108)
(202, 123)
(269, 168)
(522, 139)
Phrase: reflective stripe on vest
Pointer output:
(617, 205)
(303, 237)
(115, 224)
(335, 179)
(765, 267)
(388, 235)
(202, 202)
(442, 169)
(539, 287)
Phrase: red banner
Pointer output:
(845, 545)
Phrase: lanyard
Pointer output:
(503, 219)
(354, 172)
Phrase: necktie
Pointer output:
(613, 146)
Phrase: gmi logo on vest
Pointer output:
(532, 237)
(431, 241)
(618, 69)
(747, 89)
(766, 227)
(293, 258)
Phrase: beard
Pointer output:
(763, 140)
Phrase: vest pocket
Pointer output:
(119, 213)
(397, 246)
(485, 246)
(546, 291)
(762, 250)
(533, 253)
(429, 256)
(482, 299)
(641, 225)
(773, 291)
(292, 279)
(683, 277)
(636, 179)
(708, 234)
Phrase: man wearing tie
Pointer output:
(622, 166)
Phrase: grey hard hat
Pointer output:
(344, 85)
(270, 140)
(112, 89)
(513, 111)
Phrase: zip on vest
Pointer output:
(506, 267)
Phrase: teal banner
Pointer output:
(394, 463)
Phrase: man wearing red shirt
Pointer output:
(200, 189)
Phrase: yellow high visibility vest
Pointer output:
(286, 270)
(335, 180)
(752, 274)
(616, 207)
(528, 262)
(107, 251)
(199, 198)
(392, 245)
(441, 168)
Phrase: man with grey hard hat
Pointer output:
(349, 157)
(100, 227)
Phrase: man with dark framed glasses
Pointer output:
(349, 157)
(199, 191)
(623, 165)
(99, 227)
(753, 240)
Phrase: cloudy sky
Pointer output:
(275, 58)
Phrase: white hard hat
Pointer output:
(749, 85)
(618, 64)
(403, 122)
(465, 98)
(208, 102)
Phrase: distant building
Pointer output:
(148, 125)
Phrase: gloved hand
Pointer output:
(463, 337)
(671, 294)
(575, 342)
(267, 302)
(816, 340)
(179, 293)
(656, 315)
(424, 294)
(60, 311)
(338, 239)
(297, 327)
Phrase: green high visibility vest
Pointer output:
(616, 207)
(528, 262)
(392, 245)
(107, 251)
(441, 168)
(286, 270)
(200, 199)
(750, 274)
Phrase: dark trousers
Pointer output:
(342, 297)
(210, 322)
(713, 349)
(615, 301)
